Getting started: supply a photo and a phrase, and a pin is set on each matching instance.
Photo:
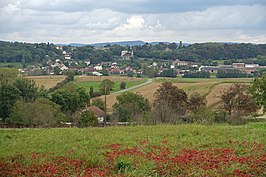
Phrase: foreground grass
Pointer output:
(92, 144)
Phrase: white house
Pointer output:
(98, 67)
(95, 73)
(251, 65)
(87, 62)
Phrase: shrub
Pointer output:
(203, 115)
(221, 116)
(236, 119)
(87, 119)
(41, 113)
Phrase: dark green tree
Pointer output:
(258, 90)
(28, 90)
(87, 119)
(91, 92)
(129, 105)
(122, 85)
(71, 101)
(9, 94)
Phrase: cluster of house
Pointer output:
(109, 67)
(176, 64)
(246, 68)
(67, 63)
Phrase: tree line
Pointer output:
(204, 52)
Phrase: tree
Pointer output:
(122, 85)
(87, 119)
(258, 90)
(106, 85)
(71, 100)
(8, 75)
(27, 88)
(170, 101)
(9, 94)
(41, 112)
(57, 70)
(196, 101)
(91, 91)
(99, 103)
(168, 73)
(172, 46)
(237, 100)
(180, 45)
(129, 105)
(150, 72)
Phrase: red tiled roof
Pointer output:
(96, 110)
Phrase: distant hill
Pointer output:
(131, 43)
(121, 43)
(73, 44)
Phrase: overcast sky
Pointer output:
(91, 21)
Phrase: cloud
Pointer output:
(115, 20)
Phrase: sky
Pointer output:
(93, 21)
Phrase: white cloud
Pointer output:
(94, 21)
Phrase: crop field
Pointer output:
(47, 81)
(162, 150)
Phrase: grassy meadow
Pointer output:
(96, 84)
(162, 150)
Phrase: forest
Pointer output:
(41, 52)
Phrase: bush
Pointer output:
(41, 113)
(236, 119)
(87, 119)
(221, 116)
(203, 115)
(122, 85)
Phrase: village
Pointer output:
(126, 66)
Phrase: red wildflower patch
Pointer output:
(235, 159)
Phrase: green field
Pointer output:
(13, 65)
(135, 151)
(96, 84)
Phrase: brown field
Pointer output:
(211, 89)
(149, 90)
(47, 81)
(101, 78)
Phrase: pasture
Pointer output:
(96, 84)
(162, 150)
